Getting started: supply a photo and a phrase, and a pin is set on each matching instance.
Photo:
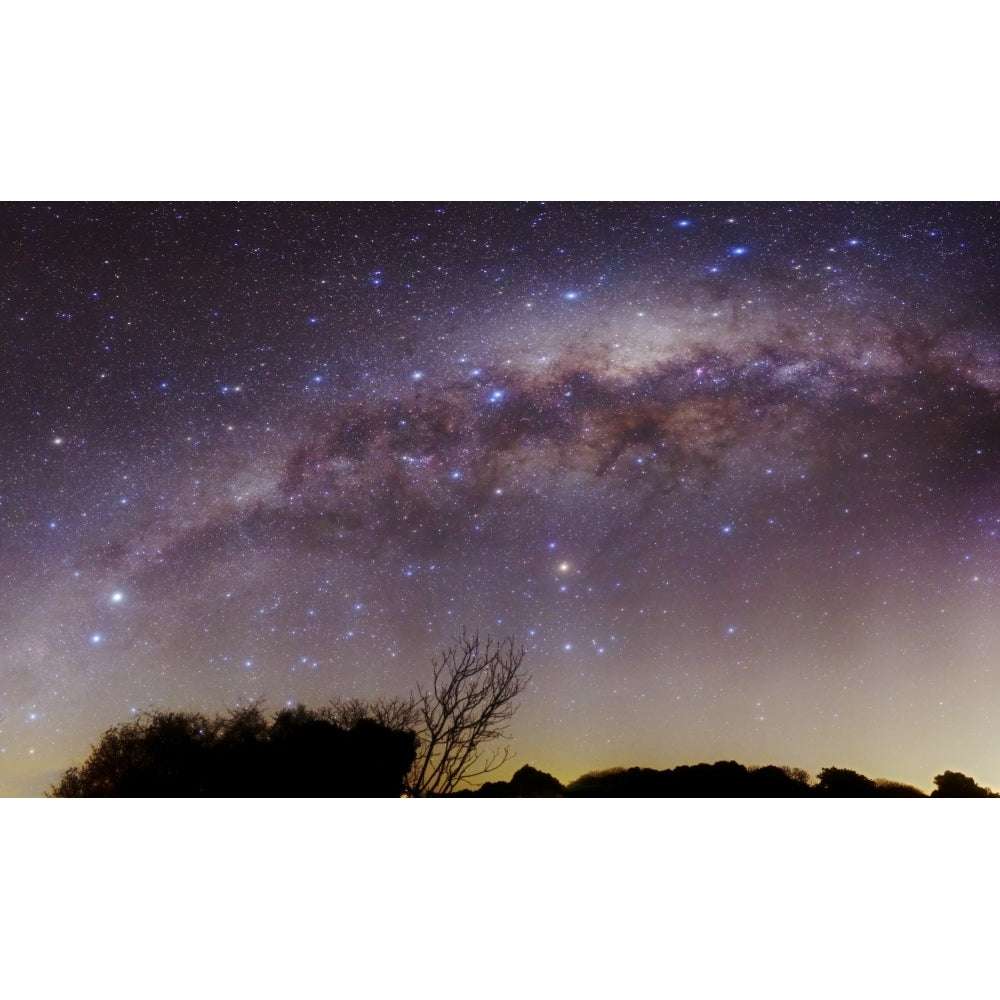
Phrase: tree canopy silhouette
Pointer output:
(841, 782)
(526, 783)
(955, 785)
(728, 779)
(723, 779)
(298, 752)
(889, 789)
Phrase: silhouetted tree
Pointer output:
(527, 783)
(472, 698)
(157, 754)
(299, 752)
(797, 774)
(839, 782)
(594, 783)
(888, 789)
(723, 779)
(774, 782)
(614, 782)
(955, 785)
(729, 779)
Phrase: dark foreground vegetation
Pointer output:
(432, 742)
(341, 751)
(435, 742)
(297, 753)
(725, 779)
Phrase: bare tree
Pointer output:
(471, 700)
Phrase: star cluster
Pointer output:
(729, 472)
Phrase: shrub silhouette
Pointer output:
(299, 752)
(774, 782)
(729, 779)
(842, 783)
(593, 783)
(955, 785)
(723, 779)
(527, 783)
(888, 789)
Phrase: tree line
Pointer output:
(440, 740)
(725, 779)
(432, 742)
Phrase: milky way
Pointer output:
(728, 472)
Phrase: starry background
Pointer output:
(728, 471)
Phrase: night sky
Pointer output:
(730, 472)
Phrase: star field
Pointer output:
(729, 472)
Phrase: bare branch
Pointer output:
(472, 698)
